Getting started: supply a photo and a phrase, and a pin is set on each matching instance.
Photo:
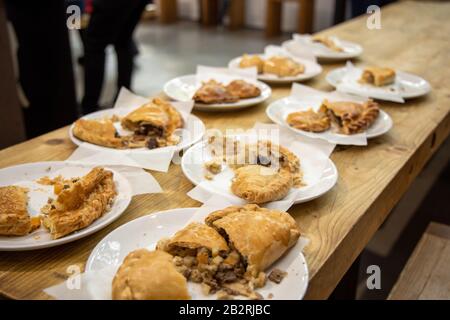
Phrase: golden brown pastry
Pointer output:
(149, 275)
(14, 217)
(259, 184)
(153, 124)
(99, 132)
(259, 235)
(351, 117)
(283, 67)
(309, 120)
(214, 92)
(243, 89)
(377, 76)
(327, 42)
(249, 61)
(79, 205)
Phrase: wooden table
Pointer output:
(372, 179)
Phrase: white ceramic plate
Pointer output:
(312, 69)
(278, 111)
(26, 174)
(193, 161)
(182, 88)
(191, 133)
(410, 85)
(146, 231)
(351, 50)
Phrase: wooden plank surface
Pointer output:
(427, 273)
(371, 181)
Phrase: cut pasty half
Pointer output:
(14, 217)
(80, 204)
(309, 120)
(377, 76)
(214, 92)
(249, 61)
(328, 42)
(243, 89)
(283, 67)
(99, 132)
(149, 275)
(351, 117)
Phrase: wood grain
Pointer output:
(371, 181)
(427, 273)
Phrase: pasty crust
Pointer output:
(283, 67)
(268, 233)
(149, 275)
(377, 76)
(195, 236)
(214, 92)
(249, 61)
(81, 204)
(99, 132)
(351, 117)
(309, 120)
(259, 184)
(327, 42)
(14, 217)
(243, 89)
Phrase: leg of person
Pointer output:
(45, 64)
(125, 46)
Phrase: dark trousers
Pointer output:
(112, 22)
(359, 7)
(45, 63)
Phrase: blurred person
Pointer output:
(44, 63)
(359, 7)
(111, 22)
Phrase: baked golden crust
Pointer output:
(351, 117)
(249, 61)
(214, 92)
(196, 236)
(243, 89)
(309, 120)
(259, 184)
(327, 42)
(260, 235)
(14, 217)
(149, 275)
(283, 67)
(99, 132)
(377, 76)
(81, 204)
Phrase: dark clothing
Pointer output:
(45, 63)
(112, 22)
(359, 7)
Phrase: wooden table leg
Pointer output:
(209, 14)
(273, 18)
(237, 14)
(306, 16)
(168, 12)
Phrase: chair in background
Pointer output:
(274, 16)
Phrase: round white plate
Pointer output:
(312, 69)
(146, 231)
(410, 85)
(191, 133)
(351, 50)
(278, 111)
(25, 175)
(193, 161)
(182, 88)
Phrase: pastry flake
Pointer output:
(377, 76)
(214, 92)
(149, 275)
(248, 61)
(283, 67)
(81, 204)
(309, 120)
(14, 217)
(351, 117)
(328, 42)
(243, 89)
(99, 132)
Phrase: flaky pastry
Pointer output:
(309, 120)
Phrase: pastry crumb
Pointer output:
(270, 296)
(277, 275)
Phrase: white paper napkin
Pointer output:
(298, 52)
(349, 84)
